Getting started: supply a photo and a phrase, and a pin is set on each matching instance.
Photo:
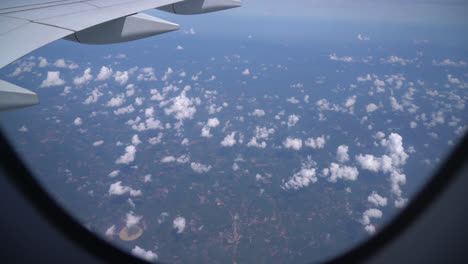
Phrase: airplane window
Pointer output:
(272, 133)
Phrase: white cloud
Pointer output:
(316, 143)
(182, 159)
(121, 77)
(116, 101)
(144, 254)
(168, 159)
(292, 120)
(258, 112)
(53, 79)
(114, 173)
(350, 101)
(452, 79)
(364, 79)
(179, 224)
(93, 97)
(136, 140)
(303, 178)
(191, 31)
(370, 213)
(83, 79)
(98, 143)
(342, 172)
(147, 178)
(118, 189)
(43, 62)
(362, 38)
(376, 199)
(335, 58)
(229, 140)
(212, 122)
(78, 121)
(370, 229)
(395, 105)
(23, 128)
(104, 74)
(342, 153)
(182, 107)
(246, 72)
(179, 47)
(131, 219)
(128, 157)
(110, 231)
(147, 75)
(294, 143)
(200, 168)
(448, 62)
(124, 110)
(371, 108)
(167, 74)
(292, 100)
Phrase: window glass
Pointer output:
(277, 132)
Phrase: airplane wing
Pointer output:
(26, 25)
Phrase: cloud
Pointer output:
(167, 74)
(110, 231)
(342, 172)
(294, 143)
(362, 38)
(121, 77)
(453, 80)
(60, 63)
(371, 108)
(118, 189)
(303, 178)
(395, 105)
(114, 173)
(317, 143)
(350, 101)
(448, 62)
(116, 101)
(147, 178)
(136, 140)
(395, 60)
(181, 108)
(258, 112)
(179, 47)
(246, 72)
(342, 153)
(131, 219)
(43, 62)
(212, 122)
(179, 224)
(93, 97)
(200, 168)
(370, 213)
(23, 129)
(292, 120)
(128, 157)
(156, 140)
(53, 79)
(147, 75)
(364, 79)
(191, 31)
(104, 74)
(98, 143)
(229, 140)
(124, 110)
(376, 199)
(87, 77)
(344, 59)
(144, 254)
(168, 159)
(78, 121)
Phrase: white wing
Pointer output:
(26, 25)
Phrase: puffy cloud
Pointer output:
(258, 112)
(183, 159)
(182, 107)
(156, 140)
(342, 172)
(168, 159)
(98, 143)
(371, 108)
(370, 213)
(121, 77)
(335, 58)
(85, 78)
(362, 38)
(118, 189)
(364, 79)
(316, 143)
(110, 231)
(23, 128)
(395, 105)
(179, 47)
(93, 97)
(395, 60)
(78, 121)
(167, 74)
(128, 157)
(147, 75)
(370, 229)
(342, 153)
(452, 79)
(43, 62)
(104, 74)
(350, 101)
(147, 178)
(303, 178)
(294, 143)
(144, 254)
(200, 168)
(292, 120)
(448, 62)
(206, 132)
(116, 101)
(253, 143)
(53, 79)
(136, 140)
(212, 122)
(124, 110)
(293, 100)
(369, 162)
(179, 224)
(114, 173)
(246, 72)
(131, 219)
(376, 199)
(229, 140)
